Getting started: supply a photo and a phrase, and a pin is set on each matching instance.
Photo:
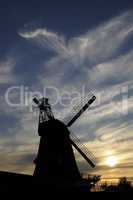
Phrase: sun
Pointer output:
(111, 161)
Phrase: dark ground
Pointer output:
(12, 183)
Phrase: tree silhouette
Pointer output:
(124, 185)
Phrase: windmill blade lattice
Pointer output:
(84, 149)
(79, 108)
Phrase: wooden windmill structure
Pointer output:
(55, 158)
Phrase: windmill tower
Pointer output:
(55, 158)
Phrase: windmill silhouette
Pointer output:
(55, 158)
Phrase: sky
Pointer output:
(66, 49)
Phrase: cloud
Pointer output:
(89, 58)
(46, 39)
(108, 72)
(104, 41)
(17, 162)
(6, 70)
(95, 45)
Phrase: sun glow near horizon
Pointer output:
(111, 161)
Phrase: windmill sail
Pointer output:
(83, 150)
(78, 110)
(82, 154)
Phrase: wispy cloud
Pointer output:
(46, 39)
(88, 58)
(6, 70)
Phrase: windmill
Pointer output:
(55, 156)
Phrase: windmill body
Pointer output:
(55, 157)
